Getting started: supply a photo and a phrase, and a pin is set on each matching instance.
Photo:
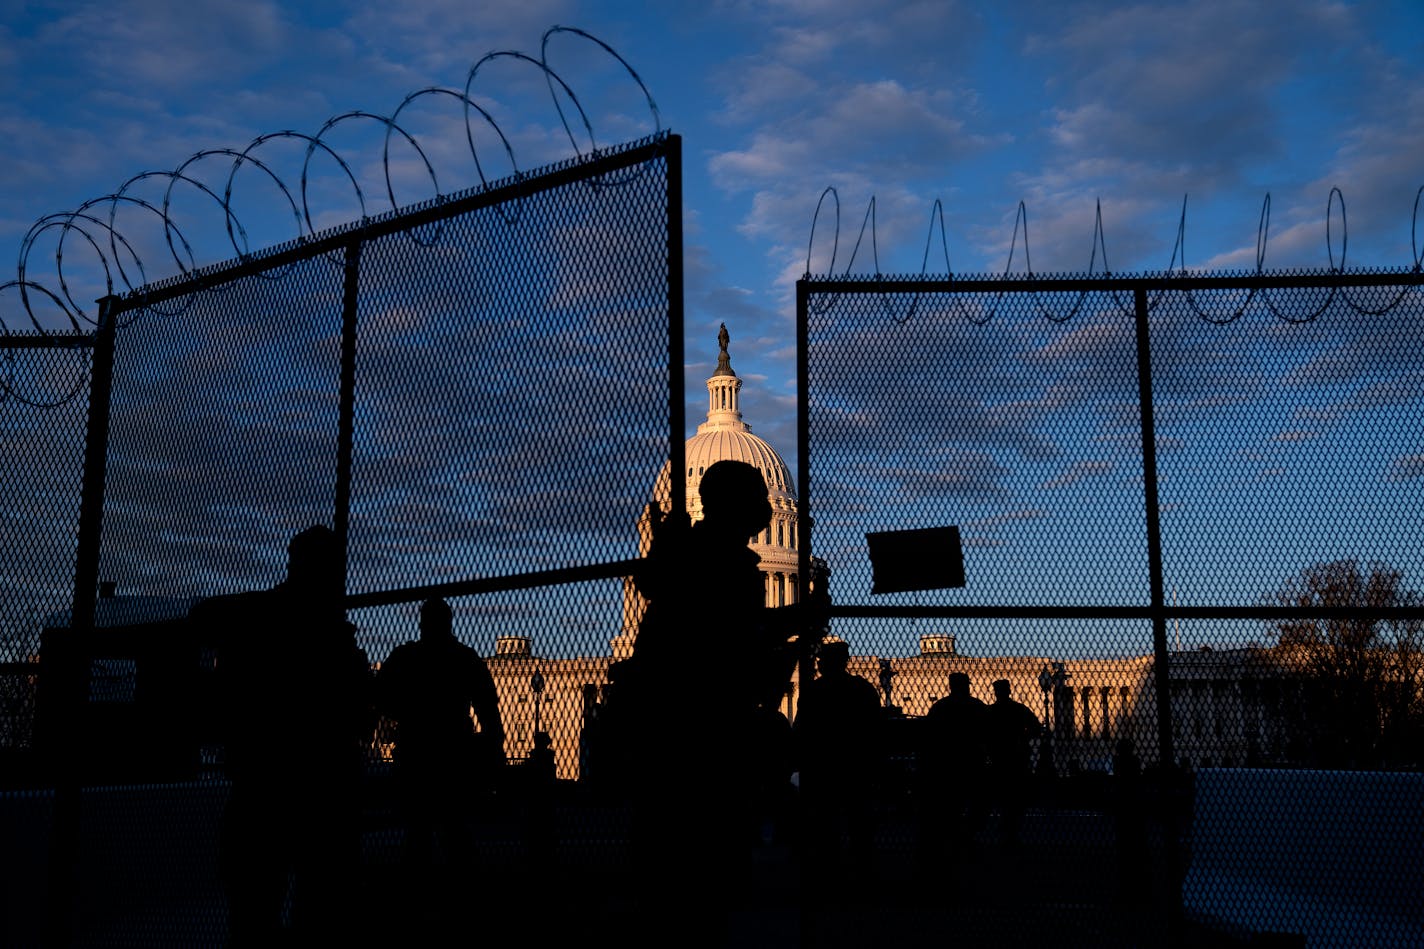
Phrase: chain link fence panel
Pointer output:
(1184, 516)
(477, 394)
(43, 406)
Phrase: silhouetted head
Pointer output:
(435, 618)
(833, 657)
(1001, 690)
(314, 562)
(958, 683)
(734, 498)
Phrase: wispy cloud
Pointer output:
(1405, 468)
(1295, 435)
(1076, 472)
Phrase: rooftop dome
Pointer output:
(725, 437)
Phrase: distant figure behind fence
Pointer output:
(837, 741)
(294, 709)
(429, 688)
(951, 787)
(1012, 728)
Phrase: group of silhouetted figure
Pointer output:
(298, 707)
(690, 737)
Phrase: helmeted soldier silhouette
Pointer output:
(1011, 728)
(295, 715)
(837, 740)
(686, 704)
(429, 688)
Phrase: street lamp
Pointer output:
(1050, 680)
(536, 685)
(887, 673)
(1045, 682)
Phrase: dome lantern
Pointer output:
(722, 390)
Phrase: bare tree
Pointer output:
(1362, 670)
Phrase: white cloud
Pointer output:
(1405, 467)
(1007, 517)
(160, 44)
(1295, 435)
(1078, 471)
(925, 131)
(1222, 102)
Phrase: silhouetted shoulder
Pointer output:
(227, 610)
(950, 709)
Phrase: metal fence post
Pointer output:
(677, 398)
(1167, 763)
(1166, 754)
(68, 670)
(96, 457)
(346, 421)
(806, 667)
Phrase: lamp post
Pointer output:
(1051, 678)
(536, 685)
(887, 674)
(1045, 682)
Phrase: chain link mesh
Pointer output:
(1282, 482)
(1249, 575)
(42, 442)
(508, 352)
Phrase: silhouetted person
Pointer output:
(1134, 865)
(952, 772)
(1011, 728)
(687, 701)
(294, 700)
(542, 770)
(838, 752)
(430, 688)
(705, 590)
(538, 780)
(771, 765)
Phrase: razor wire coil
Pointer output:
(95, 222)
(1176, 266)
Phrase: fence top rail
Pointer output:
(46, 340)
(1398, 614)
(401, 220)
(611, 570)
(1105, 283)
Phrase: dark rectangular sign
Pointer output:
(927, 559)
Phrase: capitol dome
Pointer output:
(724, 436)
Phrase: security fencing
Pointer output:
(1175, 516)
(477, 394)
(43, 408)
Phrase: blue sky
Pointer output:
(979, 105)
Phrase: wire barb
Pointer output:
(95, 222)
(1176, 265)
